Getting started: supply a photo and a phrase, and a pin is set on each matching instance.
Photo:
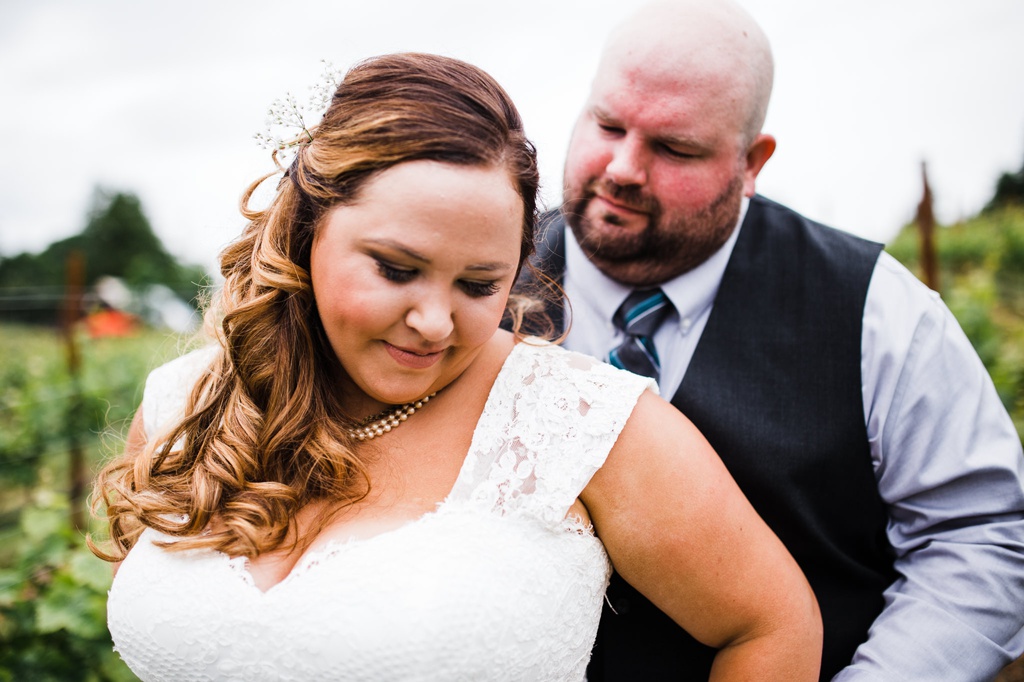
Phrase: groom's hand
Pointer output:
(1012, 673)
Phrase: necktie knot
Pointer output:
(642, 312)
(638, 318)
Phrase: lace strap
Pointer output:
(548, 426)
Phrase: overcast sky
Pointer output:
(162, 99)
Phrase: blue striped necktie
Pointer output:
(638, 318)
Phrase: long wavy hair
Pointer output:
(264, 433)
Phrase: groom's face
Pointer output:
(655, 171)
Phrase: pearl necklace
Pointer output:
(383, 422)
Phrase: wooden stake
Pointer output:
(71, 312)
(925, 220)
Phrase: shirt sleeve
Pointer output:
(950, 468)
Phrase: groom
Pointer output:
(839, 391)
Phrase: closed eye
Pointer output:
(393, 273)
(677, 153)
(478, 289)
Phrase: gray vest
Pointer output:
(775, 386)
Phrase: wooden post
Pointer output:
(925, 220)
(70, 314)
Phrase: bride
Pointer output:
(365, 478)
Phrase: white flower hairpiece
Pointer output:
(290, 124)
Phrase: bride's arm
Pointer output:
(678, 529)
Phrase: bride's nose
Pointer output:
(432, 317)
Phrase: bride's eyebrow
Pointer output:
(490, 267)
(392, 245)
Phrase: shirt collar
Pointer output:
(691, 292)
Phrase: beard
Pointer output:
(668, 245)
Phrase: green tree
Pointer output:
(117, 241)
(1009, 191)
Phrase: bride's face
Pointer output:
(411, 279)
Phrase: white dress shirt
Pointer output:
(946, 456)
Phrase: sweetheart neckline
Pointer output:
(312, 557)
(239, 566)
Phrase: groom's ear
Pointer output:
(758, 153)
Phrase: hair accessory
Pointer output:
(291, 124)
(384, 422)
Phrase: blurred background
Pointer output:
(129, 134)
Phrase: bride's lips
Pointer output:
(413, 359)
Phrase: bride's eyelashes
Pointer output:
(400, 275)
(478, 289)
(393, 273)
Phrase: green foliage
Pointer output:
(53, 603)
(981, 273)
(1009, 191)
(52, 589)
(31, 386)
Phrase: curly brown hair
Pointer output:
(263, 433)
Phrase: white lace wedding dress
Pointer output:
(496, 584)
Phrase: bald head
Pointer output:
(704, 43)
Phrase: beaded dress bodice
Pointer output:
(495, 584)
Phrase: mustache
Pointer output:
(630, 196)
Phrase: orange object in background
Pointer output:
(110, 323)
